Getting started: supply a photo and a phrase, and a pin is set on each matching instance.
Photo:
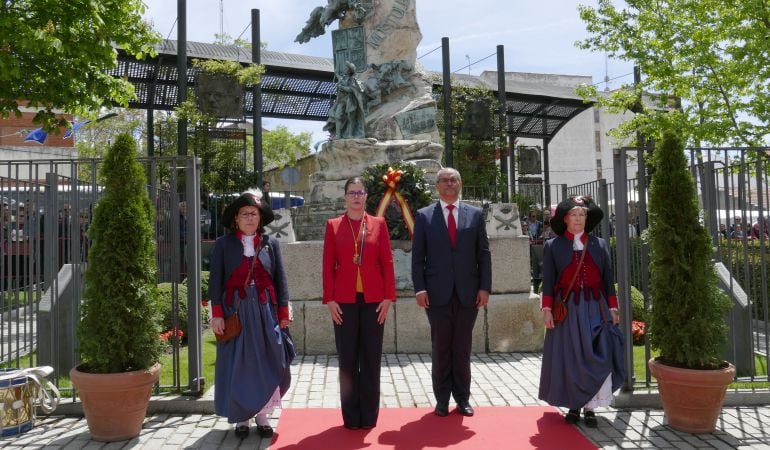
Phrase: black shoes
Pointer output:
(589, 416)
(572, 416)
(242, 431)
(265, 431)
(465, 409)
(442, 409)
(590, 419)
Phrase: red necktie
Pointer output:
(451, 225)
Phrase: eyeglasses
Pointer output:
(248, 215)
(355, 193)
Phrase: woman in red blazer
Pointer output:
(359, 284)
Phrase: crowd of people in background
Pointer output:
(537, 225)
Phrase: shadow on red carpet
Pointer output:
(519, 427)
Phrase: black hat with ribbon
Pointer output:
(593, 217)
(249, 198)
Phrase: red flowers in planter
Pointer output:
(638, 329)
(175, 333)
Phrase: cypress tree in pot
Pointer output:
(689, 310)
(119, 331)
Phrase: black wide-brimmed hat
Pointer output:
(247, 199)
(593, 217)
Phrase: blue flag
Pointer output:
(75, 127)
(37, 135)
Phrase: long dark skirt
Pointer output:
(250, 367)
(579, 354)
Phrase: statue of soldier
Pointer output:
(321, 17)
(347, 117)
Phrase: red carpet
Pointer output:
(492, 428)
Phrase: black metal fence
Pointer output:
(732, 184)
(47, 207)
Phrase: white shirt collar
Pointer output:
(444, 204)
(248, 245)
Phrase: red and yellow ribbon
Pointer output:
(391, 179)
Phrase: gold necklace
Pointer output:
(356, 253)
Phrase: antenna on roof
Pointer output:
(221, 19)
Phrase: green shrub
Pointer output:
(120, 325)
(166, 306)
(688, 312)
(637, 304)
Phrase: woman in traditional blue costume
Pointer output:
(583, 354)
(247, 275)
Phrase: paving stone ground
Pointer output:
(507, 379)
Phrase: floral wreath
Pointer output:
(396, 191)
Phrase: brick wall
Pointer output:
(14, 129)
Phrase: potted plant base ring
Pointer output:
(115, 404)
(692, 399)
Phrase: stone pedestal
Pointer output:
(511, 322)
(345, 158)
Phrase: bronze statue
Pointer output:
(347, 116)
(321, 17)
(386, 78)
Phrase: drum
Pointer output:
(17, 413)
(22, 392)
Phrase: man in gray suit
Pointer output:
(452, 276)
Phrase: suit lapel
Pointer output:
(439, 223)
(462, 219)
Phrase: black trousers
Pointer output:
(451, 333)
(359, 348)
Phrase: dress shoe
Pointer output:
(442, 409)
(572, 416)
(351, 427)
(590, 419)
(265, 431)
(242, 431)
(465, 409)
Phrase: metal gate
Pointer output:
(732, 185)
(47, 207)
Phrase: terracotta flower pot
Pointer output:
(115, 404)
(692, 399)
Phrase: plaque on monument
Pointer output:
(477, 120)
(349, 45)
(529, 160)
(219, 95)
(417, 121)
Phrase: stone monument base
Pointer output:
(341, 159)
(511, 322)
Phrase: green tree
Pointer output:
(227, 167)
(688, 309)
(281, 147)
(120, 325)
(93, 140)
(53, 55)
(712, 55)
(474, 157)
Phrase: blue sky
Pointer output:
(539, 36)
